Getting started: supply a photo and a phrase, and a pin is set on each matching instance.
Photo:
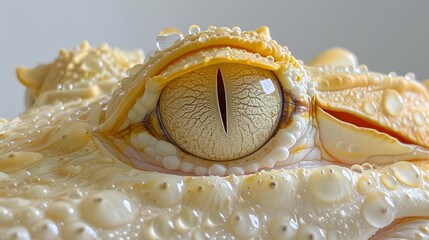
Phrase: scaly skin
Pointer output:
(346, 158)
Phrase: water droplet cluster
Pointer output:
(397, 103)
(58, 180)
(84, 195)
(84, 72)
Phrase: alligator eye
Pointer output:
(221, 112)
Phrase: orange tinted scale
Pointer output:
(349, 118)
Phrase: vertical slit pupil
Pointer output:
(221, 98)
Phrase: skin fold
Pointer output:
(221, 134)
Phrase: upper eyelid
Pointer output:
(140, 80)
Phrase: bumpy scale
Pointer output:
(222, 133)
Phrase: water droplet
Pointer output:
(162, 227)
(396, 125)
(354, 147)
(188, 218)
(367, 166)
(194, 29)
(92, 64)
(121, 92)
(223, 30)
(407, 173)
(104, 100)
(211, 28)
(369, 108)
(392, 102)
(362, 69)
(203, 38)
(104, 106)
(410, 76)
(347, 69)
(388, 181)
(59, 87)
(338, 99)
(418, 118)
(391, 74)
(167, 37)
(286, 49)
(236, 30)
(357, 168)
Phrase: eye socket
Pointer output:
(221, 112)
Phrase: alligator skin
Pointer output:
(222, 134)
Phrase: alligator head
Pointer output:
(221, 133)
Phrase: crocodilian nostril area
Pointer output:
(221, 98)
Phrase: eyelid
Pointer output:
(146, 82)
(146, 90)
(154, 125)
(158, 149)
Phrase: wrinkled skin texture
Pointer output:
(346, 159)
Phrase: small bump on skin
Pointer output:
(18, 160)
(187, 219)
(38, 192)
(70, 170)
(262, 190)
(164, 185)
(365, 185)
(78, 231)
(29, 215)
(244, 224)
(378, 210)
(60, 211)
(282, 227)
(17, 233)
(330, 184)
(310, 232)
(5, 215)
(108, 209)
(61, 174)
(161, 192)
(45, 229)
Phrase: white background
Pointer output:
(386, 35)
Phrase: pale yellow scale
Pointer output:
(252, 143)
